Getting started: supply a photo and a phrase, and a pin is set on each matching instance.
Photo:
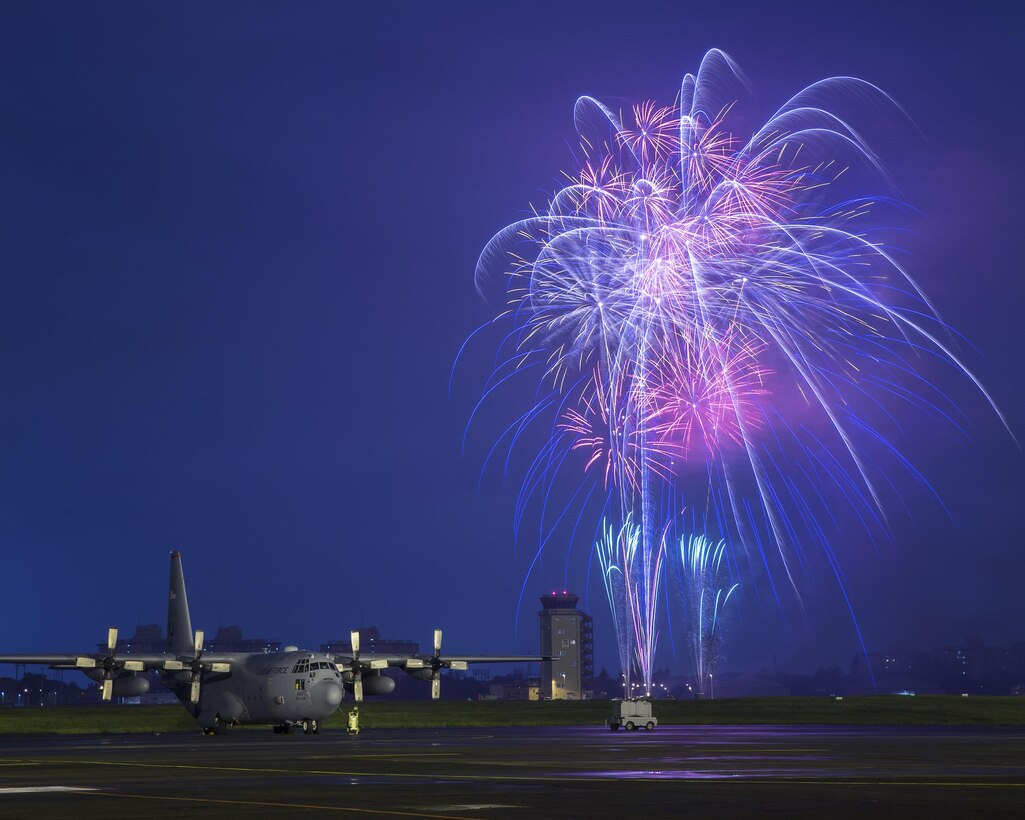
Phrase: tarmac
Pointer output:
(673, 771)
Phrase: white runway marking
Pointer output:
(33, 789)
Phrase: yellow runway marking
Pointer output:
(302, 771)
(383, 756)
(723, 776)
(745, 750)
(274, 805)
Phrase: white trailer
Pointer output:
(632, 713)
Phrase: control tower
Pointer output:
(567, 634)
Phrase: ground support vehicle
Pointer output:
(632, 713)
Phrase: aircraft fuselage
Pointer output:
(279, 689)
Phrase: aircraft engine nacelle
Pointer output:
(374, 683)
(130, 686)
(125, 685)
(420, 674)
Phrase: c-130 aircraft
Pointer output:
(291, 688)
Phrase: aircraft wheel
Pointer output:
(316, 727)
(305, 723)
(630, 725)
(649, 725)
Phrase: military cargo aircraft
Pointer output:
(287, 689)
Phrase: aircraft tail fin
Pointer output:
(179, 624)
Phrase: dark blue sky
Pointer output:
(237, 247)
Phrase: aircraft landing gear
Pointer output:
(307, 725)
(219, 727)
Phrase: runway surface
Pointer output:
(787, 771)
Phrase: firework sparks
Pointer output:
(681, 293)
(705, 588)
(632, 578)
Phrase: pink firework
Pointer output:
(703, 395)
(601, 428)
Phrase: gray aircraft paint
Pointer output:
(281, 689)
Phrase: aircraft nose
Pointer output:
(327, 695)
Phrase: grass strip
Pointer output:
(881, 710)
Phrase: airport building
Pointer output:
(230, 639)
(371, 643)
(567, 635)
(150, 638)
(147, 638)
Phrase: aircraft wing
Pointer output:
(369, 662)
(110, 666)
(422, 666)
(91, 660)
(496, 658)
(46, 660)
(130, 662)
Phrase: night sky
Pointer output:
(237, 248)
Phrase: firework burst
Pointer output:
(707, 309)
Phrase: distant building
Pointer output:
(953, 668)
(147, 638)
(230, 639)
(150, 638)
(974, 659)
(902, 660)
(743, 685)
(371, 643)
(512, 691)
(567, 635)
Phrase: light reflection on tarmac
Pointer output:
(523, 773)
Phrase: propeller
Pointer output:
(109, 663)
(436, 666)
(196, 666)
(356, 668)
